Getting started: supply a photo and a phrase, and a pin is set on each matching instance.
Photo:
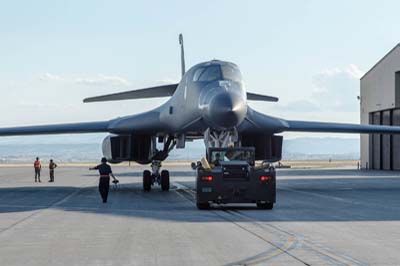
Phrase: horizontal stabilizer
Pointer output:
(153, 92)
(260, 97)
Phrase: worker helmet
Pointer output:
(104, 160)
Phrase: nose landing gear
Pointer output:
(147, 180)
(164, 180)
(151, 178)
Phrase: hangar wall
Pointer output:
(380, 105)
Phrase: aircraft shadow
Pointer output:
(140, 174)
(316, 199)
(335, 172)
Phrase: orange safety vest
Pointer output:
(37, 164)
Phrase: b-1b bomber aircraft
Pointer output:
(211, 103)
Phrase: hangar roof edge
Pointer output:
(380, 60)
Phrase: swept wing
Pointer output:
(258, 122)
(89, 127)
(146, 123)
(308, 126)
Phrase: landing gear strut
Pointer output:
(151, 178)
(155, 175)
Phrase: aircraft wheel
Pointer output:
(146, 180)
(203, 205)
(164, 180)
(265, 205)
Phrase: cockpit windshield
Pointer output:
(217, 72)
(208, 74)
(231, 73)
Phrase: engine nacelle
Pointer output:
(268, 147)
(137, 148)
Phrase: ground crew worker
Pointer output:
(104, 181)
(217, 160)
(37, 167)
(52, 166)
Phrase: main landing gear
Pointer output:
(151, 178)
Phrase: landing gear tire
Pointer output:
(146, 180)
(265, 205)
(203, 205)
(164, 180)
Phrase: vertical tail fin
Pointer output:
(182, 54)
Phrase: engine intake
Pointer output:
(120, 148)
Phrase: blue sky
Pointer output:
(309, 53)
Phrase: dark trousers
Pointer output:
(37, 174)
(52, 175)
(104, 187)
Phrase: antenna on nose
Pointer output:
(182, 54)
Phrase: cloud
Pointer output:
(167, 81)
(333, 90)
(50, 77)
(299, 106)
(352, 70)
(355, 72)
(102, 80)
(35, 105)
(337, 88)
(41, 105)
(99, 80)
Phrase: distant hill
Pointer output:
(86, 148)
(60, 152)
(314, 148)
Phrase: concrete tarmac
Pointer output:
(322, 217)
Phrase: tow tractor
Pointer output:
(229, 175)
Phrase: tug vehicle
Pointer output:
(229, 175)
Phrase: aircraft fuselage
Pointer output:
(210, 93)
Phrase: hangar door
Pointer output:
(385, 149)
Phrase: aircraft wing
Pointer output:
(89, 127)
(257, 122)
(308, 126)
(152, 92)
(143, 123)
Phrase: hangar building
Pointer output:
(380, 105)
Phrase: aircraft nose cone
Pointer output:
(226, 110)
